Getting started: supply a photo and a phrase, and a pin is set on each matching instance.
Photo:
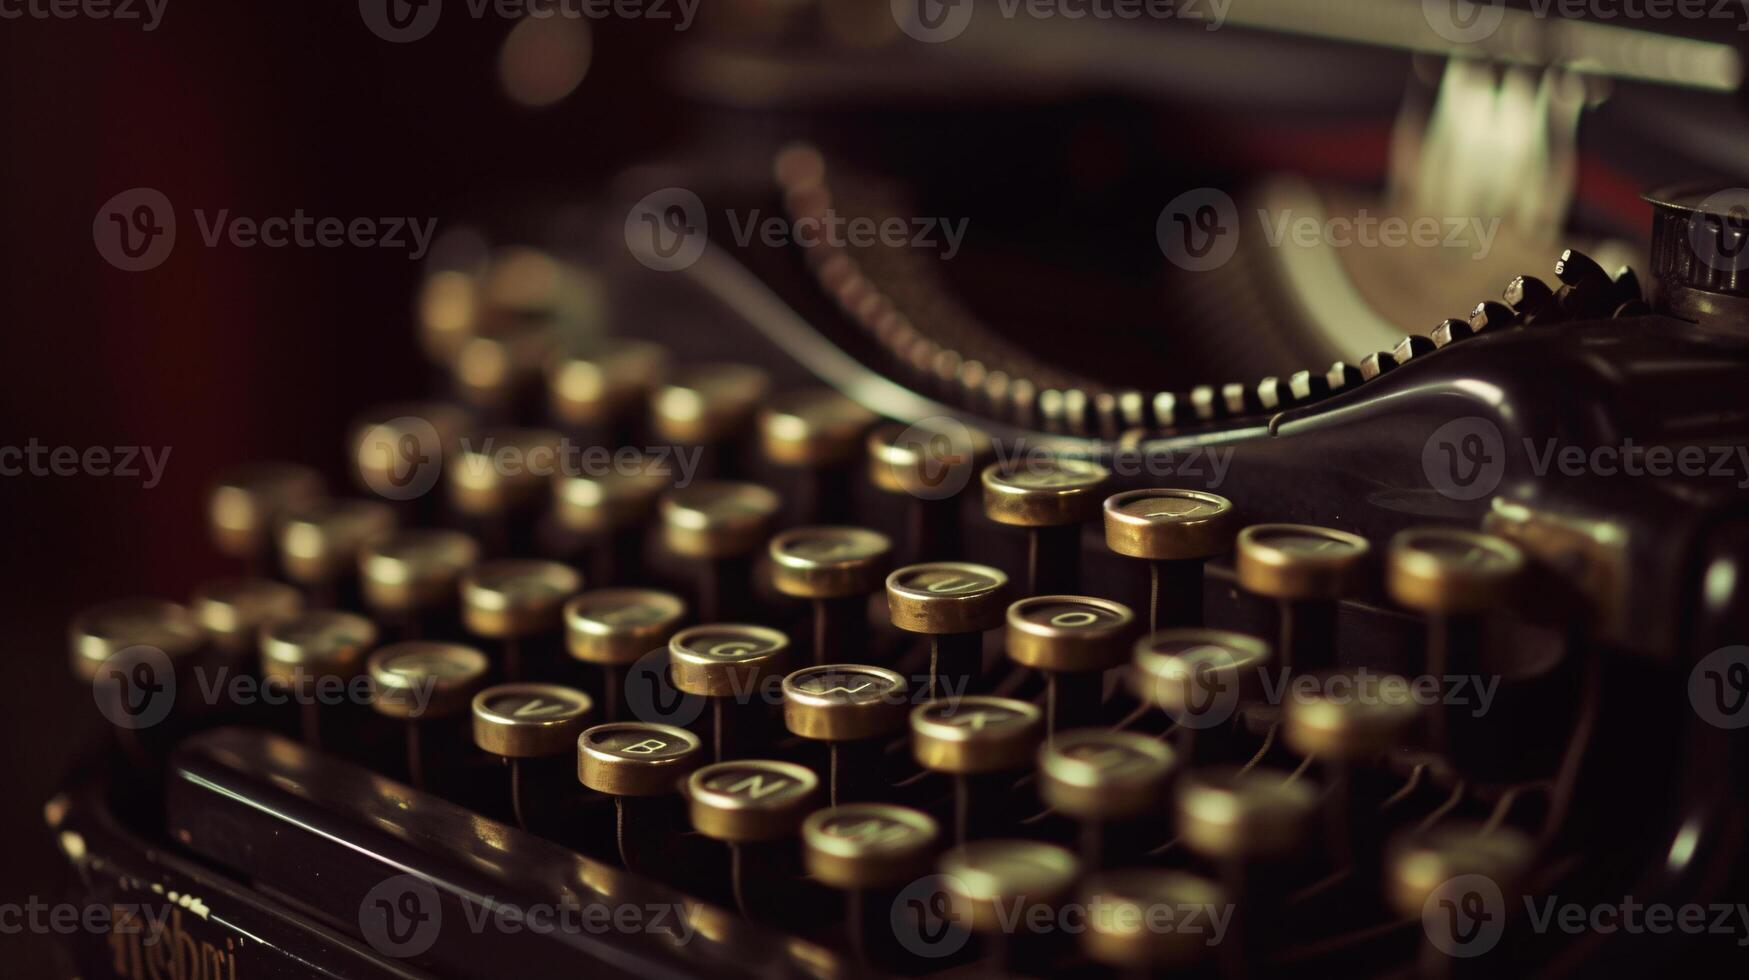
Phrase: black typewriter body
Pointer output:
(234, 837)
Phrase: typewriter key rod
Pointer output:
(849, 707)
(1072, 640)
(419, 682)
(953, 603)
(1050, 498)
(977, 741)
(860, 848)
(721, 525)
(409, 574)
(517, 722)
(746, 803)
(309, 648)
(636, 763)
(1346, 720)
(1305, 570)
(726, 662)
(816, 432)
(319, 544)
(612, 628)
(929, 464)
(515, 600)
(835, 568)
(1175, 532)
(1101, 777)
(122, 647)
(609, 510)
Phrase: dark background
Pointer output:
(224, 354)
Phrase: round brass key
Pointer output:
(635, 758)
(1348, 716)
(953, 603)
(414, 570)
(637, 763)
(317, 643)
(988, 881)
(502, 471)
(591, 502)
(835, 568)
(1049, 497)
(1071, 639)
(1226, 815)
(1199, 677)
(721, 661)
(1098, 774)
(247, 504)
(528, 721)
(1175, 531)
(1300, 562)
(417, 681)
(599, 386)
(812, 427)
(320, 544)
(515, 598)
(717, 518)
(1447, 571)
(233, 610)
(1305, 569)
(302, 650)
(841, 703)
(869, 845)
(1122, 928)
(930, 463)
(704, 404)
(1452, 577)
(100, 632)
(723, 523)
(975, 739)
(1420, 867)
(398, 451)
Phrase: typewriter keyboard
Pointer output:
(616, 626)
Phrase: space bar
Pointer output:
(434, 884)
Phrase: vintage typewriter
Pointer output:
(1116, 596)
